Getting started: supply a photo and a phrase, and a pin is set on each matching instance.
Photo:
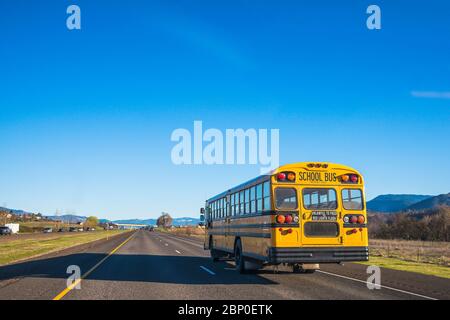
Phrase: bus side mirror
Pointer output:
(202, 217)
(202, 210)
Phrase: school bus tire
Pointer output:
(215, 255)
(239, 258)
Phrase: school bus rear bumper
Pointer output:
(318, 255)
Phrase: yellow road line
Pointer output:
(76, 282)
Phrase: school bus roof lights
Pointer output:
(281, 176)
(349, 178)
(317, 165)
(286, 177)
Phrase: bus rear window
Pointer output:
(286, 198)
(319, 199)
(352, 199)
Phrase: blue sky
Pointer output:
(86, 115)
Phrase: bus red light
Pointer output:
(289, 230)
(281, 176)
(288, 219)
(354, 219)
(281, 218)
(354, 178)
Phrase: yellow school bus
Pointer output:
(300, 214)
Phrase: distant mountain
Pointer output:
(136, 221)
(394, 202)
(14, 211)
(68, 218)
(185, 221)
(431, 203)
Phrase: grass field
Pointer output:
(11, 251)
(193, 232)
(418, 267)
(412, 251)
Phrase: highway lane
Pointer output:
(153, 265)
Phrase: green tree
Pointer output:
(91, 222)
(165, 220)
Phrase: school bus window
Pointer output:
(286, 198)
(247, 200)
(216, 206)
(319, 199)
(266, 196)
(259, 198)
(232, 204)
(253, 199)
(215, 209)
(225, 204)
(236, 203)
(241, 202)
(352, 199)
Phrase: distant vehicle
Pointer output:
(151, 229)
(92, 229)
(5, 231)
(13, 226)
(73, 229)
(80, 229)
(48, 230)
(61, 230)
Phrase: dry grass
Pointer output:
(194, 232)
(414, 251)
(11, 251)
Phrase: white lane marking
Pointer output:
(207, 270)
(385, 287)
(177, 251)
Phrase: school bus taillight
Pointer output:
(361, 219)
(281, 218)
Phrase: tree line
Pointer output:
(428, 225)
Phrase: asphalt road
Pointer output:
(152, 265)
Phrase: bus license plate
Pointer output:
(324, 216)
